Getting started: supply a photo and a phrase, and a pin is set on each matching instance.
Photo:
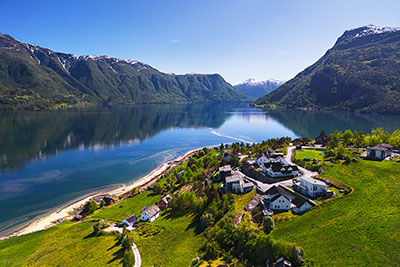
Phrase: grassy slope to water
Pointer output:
(360, 229)
(176, 245)
(61, 245)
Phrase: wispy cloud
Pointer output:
(174, 41)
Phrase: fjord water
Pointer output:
(50, 158)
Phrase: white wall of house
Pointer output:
(127, 223)
(144, 216)
(313, 189)
(261, 160)
(306, 206)
(281, 203)
(152, 219)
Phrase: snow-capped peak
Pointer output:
(116, 60)
(254, 82)
(370, 30)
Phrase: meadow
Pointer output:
(67, 244)
(358, 229)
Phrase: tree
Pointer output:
(102, 224)
(129, 258)
(297, 255)
(207, 219)
(347, 137)
(268, 224)
(158, 188)
(234, 162)
(89, 207)
(394, 138)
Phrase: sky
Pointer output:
(238, 39)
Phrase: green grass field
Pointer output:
(359, 229)
(130, 206)
(176, 245)
(310, 153)
(66, 244)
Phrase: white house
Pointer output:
(311, 187)
(280, 202)
(261, 160)
(380, 151)
(237, 182)
(300, 204)
(283, 198)
(150, 213)
(130, 221)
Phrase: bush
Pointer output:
(207, 219)
(102, 224)
(89, 207)
(268, 224)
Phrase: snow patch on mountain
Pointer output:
(254, 82)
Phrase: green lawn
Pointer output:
(176, 245)
(310, 153)
(130, 206)
(359, 229)
(61, 245)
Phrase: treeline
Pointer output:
(246, 245)
(360, 139)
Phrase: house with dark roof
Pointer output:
(380, 151)
(282, 198)
(163, 203)
(281, 262)
(150, 213)
(108, 200)
(130, 221)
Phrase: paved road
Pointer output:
(306, 173)
(138, 259)
(288, 157)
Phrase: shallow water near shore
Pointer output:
(52, 157)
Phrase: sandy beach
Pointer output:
(67, 212)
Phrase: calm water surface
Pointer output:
(50, 158)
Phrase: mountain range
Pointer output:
(33, 77)
(360, 73)
(257, 89)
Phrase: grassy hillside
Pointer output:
(67, 244)
(359, 229)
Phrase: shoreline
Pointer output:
(66, 211)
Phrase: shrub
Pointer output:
(102, 224)
(268, 224)
(89, 207)
(207, 219)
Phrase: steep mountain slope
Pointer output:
(36, 77)
(360, 73)
(257, 89)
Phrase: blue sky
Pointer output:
(236, 38)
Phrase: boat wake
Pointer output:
(231, 137)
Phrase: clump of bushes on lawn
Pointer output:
(102, 224)
(268, 224)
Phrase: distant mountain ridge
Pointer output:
(256, 89)
(35, 77)
(360, 73)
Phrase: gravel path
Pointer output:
(138, 259)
